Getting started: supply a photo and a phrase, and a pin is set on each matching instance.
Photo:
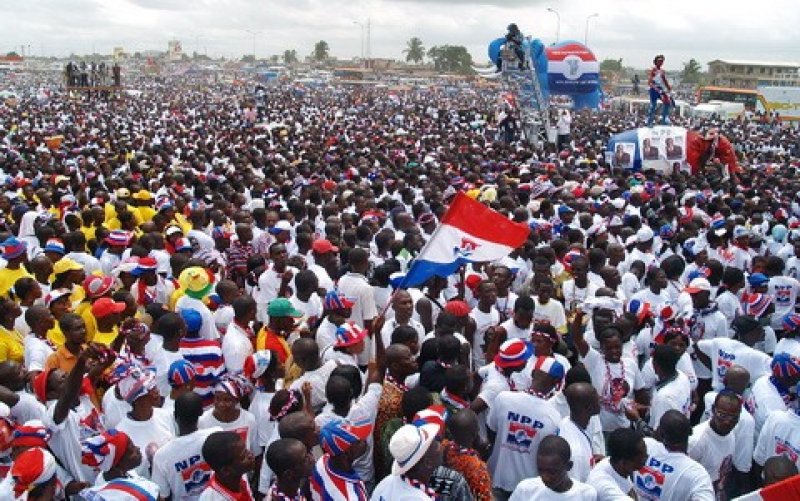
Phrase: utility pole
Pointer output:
(369, 38)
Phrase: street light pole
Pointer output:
(558, 25)
(362, 37)
(586, 32)
(254, 33)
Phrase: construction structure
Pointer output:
(521, 79)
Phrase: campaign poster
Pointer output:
(662, 148)
(623, 155)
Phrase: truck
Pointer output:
(783, 100)
(724, 110)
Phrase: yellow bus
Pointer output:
(748, 97)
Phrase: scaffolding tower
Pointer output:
(523, 84)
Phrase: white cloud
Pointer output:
(632, 30)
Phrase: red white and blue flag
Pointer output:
(469, 232)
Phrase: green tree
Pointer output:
(249, 58)
(611, 65)
(321, 50)
(414, 51)
(692, 71)
(290, 56)
(12, 54)
(451, 59)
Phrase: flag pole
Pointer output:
(402, 284)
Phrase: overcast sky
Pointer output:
(630, 29)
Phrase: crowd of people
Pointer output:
(205, 300)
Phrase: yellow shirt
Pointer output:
(145, 213)
(56, 336)
(90, 322)
(9, 277)
(11, 347)
(89, 232)
(106, 338)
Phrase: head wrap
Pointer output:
(31, 469)
(104, 451)
(337, 436)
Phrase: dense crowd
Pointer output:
(202, 297)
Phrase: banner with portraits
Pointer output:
(660, 148)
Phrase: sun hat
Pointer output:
(104, 450)
(196, 282)
(337, 436)
(96, 286)
(349, 334)
(282, 307)
(409, 444)
(513, 353)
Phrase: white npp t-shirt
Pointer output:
(725, 353)
(533, 489)
(780, 436)
(520, 421)
(671, 476)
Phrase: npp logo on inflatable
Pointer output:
(567, 68)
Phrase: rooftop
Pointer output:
(743, 62)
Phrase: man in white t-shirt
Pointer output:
(718, 354)
(584, 406)
(178, 466)
(148, 426)
(416, 454)
(670, 474)
(672, 391)
(306, 355)
(737, 380)
(518, 421)
(782, 289)
(554, 481)
(713, 443)
(780, 436)
(611, 477)
(237, 344)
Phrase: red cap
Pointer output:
(106, 306)
(323, 246)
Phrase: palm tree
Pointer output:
(414, 51)
(321, 50)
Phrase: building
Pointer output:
(753, 74)
(12, 63)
